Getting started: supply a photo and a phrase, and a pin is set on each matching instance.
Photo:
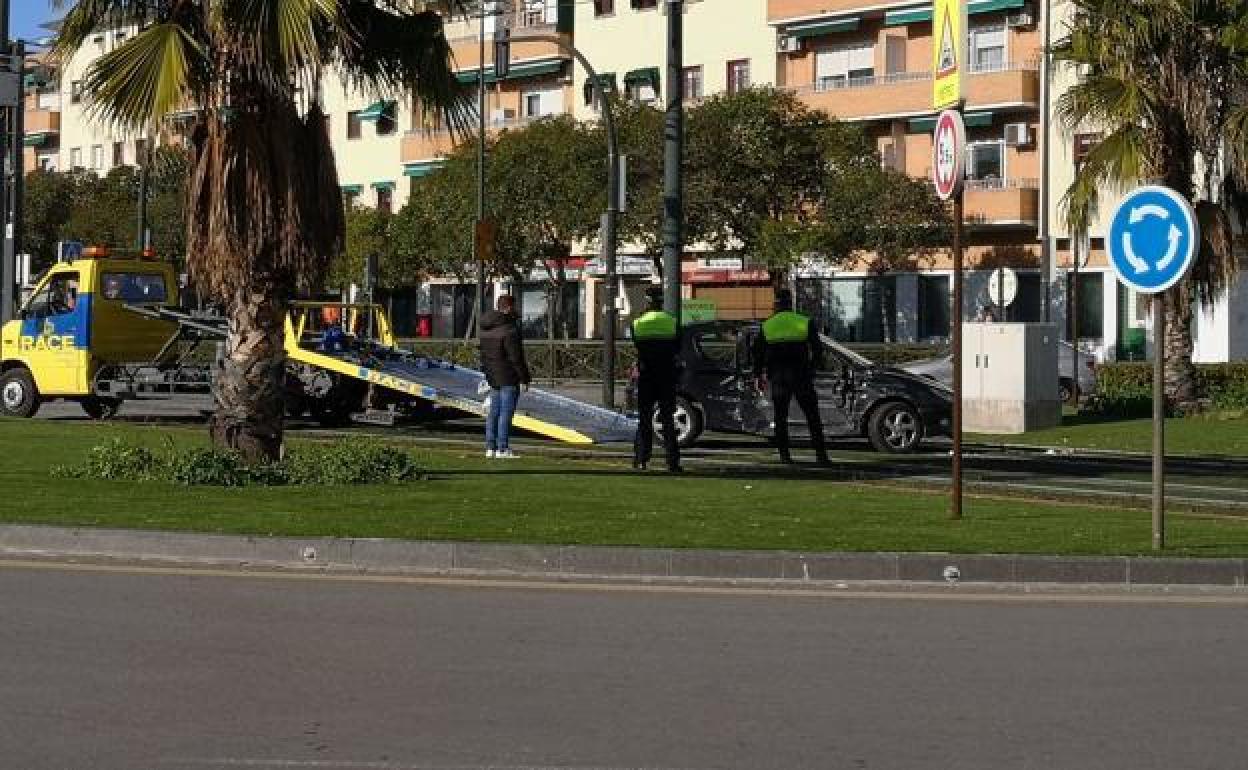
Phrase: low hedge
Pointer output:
(1126, 389)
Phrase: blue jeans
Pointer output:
(498, 421)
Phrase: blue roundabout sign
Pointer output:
(1152, 239)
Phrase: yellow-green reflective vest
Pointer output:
(655, 325)
(786, 326)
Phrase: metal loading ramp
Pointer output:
(449, 385)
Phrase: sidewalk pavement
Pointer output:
(787, 568)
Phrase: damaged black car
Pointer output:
(893, 409)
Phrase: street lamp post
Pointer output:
(673, 149)
(481, 304)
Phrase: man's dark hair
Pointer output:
(505, 303)
(784, 299)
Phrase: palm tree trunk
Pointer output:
(1181, 391)
(248, 387)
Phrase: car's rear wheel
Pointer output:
(18, 395)
(895, 428)
(688, 420)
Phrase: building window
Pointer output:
(532, 105)
(98, 40)
(840, 67)
(644, 4)
(640, 91)
(353, 124)
(986, 161)
(75, 92)
(852, 309)
(119, 37)
(691, 83)
(97, 156)
(738, 75)
(388, 121)
(385, 200)
(934, 299)
(604, 7)
(47, 163)
(75, 158)
(987, 48)
(119, 153)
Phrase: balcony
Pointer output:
(1002, 202)
(781, 10)
(42, 121)
(905, 94)
(422, 146)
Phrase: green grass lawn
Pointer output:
(574, 502)
(1184, 436)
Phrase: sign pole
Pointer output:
(955, 502)
(1159, 422)
(1152, 241)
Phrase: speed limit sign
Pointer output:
(948, 153)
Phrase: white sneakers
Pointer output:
(500, 454)
(490, 454)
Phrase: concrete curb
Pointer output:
(546, 561)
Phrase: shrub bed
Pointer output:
(344, 462)
(1126, 389)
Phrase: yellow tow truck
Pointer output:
(74, 337)
(102, 329)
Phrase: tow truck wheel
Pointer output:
(18, 395)
(101, 407)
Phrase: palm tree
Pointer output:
(1167, 83)
(264, 211)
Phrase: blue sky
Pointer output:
(27, 15)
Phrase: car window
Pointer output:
(717, 346)
(59, 297)
(134, 287)
(833, 350)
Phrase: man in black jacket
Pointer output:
(502, 360)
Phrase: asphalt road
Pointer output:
(120, 669)
(1215, 485)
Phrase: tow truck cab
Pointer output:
(75, 322)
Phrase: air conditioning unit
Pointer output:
(1023, 18)
(788, 44)
(1017, 135)
(501, 116)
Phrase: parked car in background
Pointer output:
(892, 408)
(940, 369)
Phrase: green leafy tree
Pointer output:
(1167, 83)
(48, 206)
(368, 234)
(264, 213)
(105, 209)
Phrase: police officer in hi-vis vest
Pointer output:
(657, 338)
(787, 353)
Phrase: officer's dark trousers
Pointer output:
(784, 389)
(648, 395)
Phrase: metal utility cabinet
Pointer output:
(1009, 377)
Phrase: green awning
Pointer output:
(375, 110)
(515, 72)
(383, 185)
(988, 6)
(351, 189)
(843, 24)
(36, 80)
(971, 119)
(907, 16)
(647, 76)
(421, 169)
(606, 80)
(38, 139)
(921, 13)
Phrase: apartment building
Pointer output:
(869, 63)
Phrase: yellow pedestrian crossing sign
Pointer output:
(948, 52)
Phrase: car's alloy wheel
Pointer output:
(896, 428)
(688, 421)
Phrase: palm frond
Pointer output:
(158, 71)
(1117, 162)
